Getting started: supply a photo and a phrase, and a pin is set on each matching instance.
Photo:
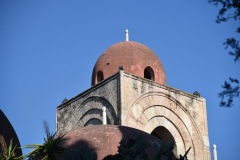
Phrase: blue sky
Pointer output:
(48, 50)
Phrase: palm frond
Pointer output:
(51, 148)
(9, 153)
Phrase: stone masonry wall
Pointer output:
(86, 108)
(146, 105)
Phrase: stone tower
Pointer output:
(129, 80)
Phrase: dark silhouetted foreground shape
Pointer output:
(7, 134)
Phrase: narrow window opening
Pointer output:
(99, 76)
(148, 73)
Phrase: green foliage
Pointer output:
(234, 44)
(132, 149)
(163, 150)
(9, 153)
(230, 9)
(49, 150)
(229, 92)
(135, 149)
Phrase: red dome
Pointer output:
(136, 59)
(104, 139)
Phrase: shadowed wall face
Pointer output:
(86, 108)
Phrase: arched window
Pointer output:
(99, 76)
(148, 73)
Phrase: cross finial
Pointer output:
(127, 36)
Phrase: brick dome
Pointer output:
(104, 139)
(136, 59)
